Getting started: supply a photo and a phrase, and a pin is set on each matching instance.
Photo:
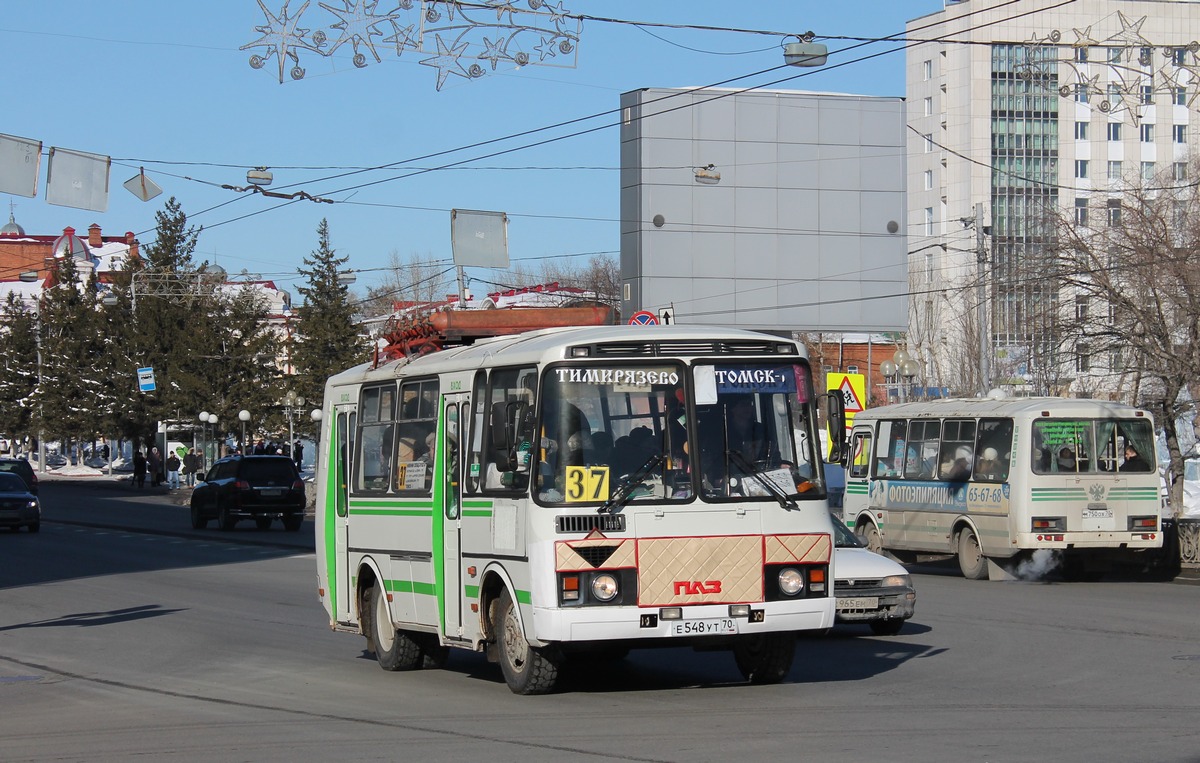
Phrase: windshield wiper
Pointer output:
(771, 487)
(630, 483)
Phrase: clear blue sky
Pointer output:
(165, 85)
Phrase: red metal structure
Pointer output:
(424, 333)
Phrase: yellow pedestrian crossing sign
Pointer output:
(854, 392)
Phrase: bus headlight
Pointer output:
(791, 582)
(604, 587)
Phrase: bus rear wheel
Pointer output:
(394, 649)
(971, 560)
(526, 669)
(765, 659)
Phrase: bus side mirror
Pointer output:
(835, 416)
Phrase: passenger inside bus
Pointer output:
(1133, 461)
(960, 469)
(602, 448)
(988, 467)
(1066, 459)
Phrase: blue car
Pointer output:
(18, 507)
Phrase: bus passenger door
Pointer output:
(341, 449)
(456, 411)
(858, 472)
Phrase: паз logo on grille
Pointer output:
(694, 587)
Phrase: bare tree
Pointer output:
(1132, 271)
(417, 279)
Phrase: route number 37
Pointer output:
(587, 483)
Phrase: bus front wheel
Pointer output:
(766, 658)
(971, 560)
(870, 535)
(394, 649)
(527, 669)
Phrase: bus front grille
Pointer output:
(585, 523)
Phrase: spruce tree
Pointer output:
(65, 401)
(170, 329)
(18, 368)
(325, 340)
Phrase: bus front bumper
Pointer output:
(698, 622)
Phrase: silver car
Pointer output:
(870, 588)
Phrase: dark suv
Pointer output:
(261, 488)
(22, 469)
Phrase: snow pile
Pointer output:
(79, 471)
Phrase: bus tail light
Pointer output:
(1143, 523)
(1049, 524)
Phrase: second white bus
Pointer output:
(992, 481)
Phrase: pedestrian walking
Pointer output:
(139, 469)
(298, 455)
(173, 471)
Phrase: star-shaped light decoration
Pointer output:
(482, 31)
(358, 22)
(1084, 39)
(502, 7)
(281, 36)
(495, 51)
(404, 38)
(1131, 32)
(447, 60)
(547, 48)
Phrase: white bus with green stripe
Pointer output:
(994, 481)
(575, 493)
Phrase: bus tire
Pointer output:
(971, 560)
(766, 658)
(870, 536)
(526, 669)
(394, 649)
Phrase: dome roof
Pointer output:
(12, 229)
(70, 244)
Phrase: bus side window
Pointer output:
(889, 450)
(994, 450)
(510, 436)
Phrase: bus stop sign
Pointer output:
(145, 379)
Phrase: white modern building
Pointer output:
(1015, 109)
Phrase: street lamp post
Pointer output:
(203, 448)
(901, 365)
(212, 419)
(316, 416)
(244, 415)
(291, 402)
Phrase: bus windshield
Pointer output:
(625, 432)
(755, 433)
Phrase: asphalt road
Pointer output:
(125, 635)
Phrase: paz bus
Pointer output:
(573, 493)
(993, 481)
